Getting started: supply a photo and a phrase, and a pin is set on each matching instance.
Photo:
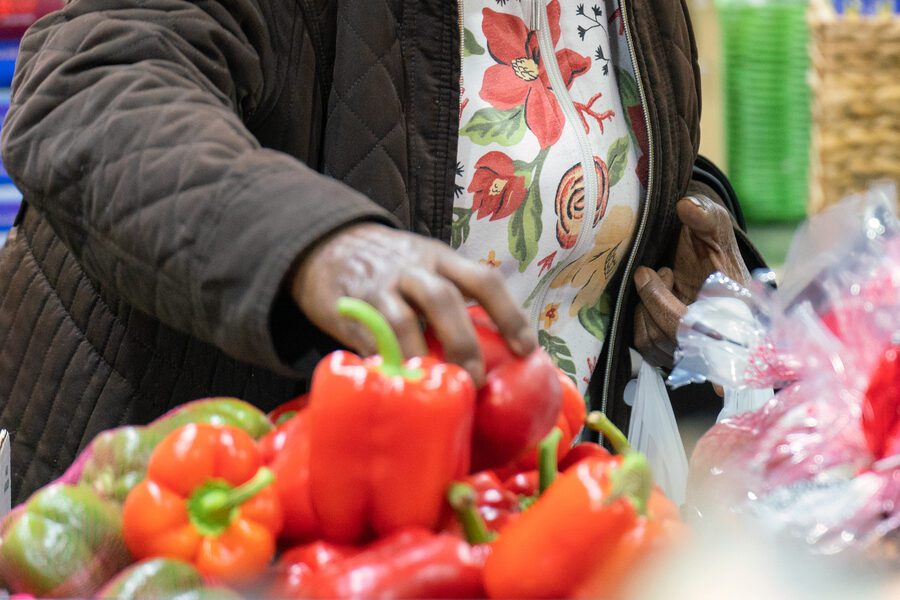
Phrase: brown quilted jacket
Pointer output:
(176, 157)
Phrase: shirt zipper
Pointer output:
(629, 268)
(541, 25)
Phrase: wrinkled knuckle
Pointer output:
(441, 293)
(464, 347)
(404, 323)
(490, 279)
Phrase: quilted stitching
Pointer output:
(365, 105)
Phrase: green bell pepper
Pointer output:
(118, 461)
(161, 578)
(64, 542)
(118, 457)
(215, 411)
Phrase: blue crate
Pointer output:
(4, 108)
(9, 50)
(10, 201)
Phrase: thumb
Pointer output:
(656, 294)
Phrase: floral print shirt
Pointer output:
(548, 88)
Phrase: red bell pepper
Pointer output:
(881, 405)
(518, 405)
(387, 436)
(526, 483)
(584, 450)
(410, 563)
(207, 500)
(288, 409)
(494, 350)
(287, 452)
(496, 504)
(892, 445)
(563, 538)
(529, 485)
(499, 503)
(570, 422)
(519, 402)
(297, 564)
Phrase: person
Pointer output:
(203, 179)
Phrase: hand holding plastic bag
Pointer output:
(819, 461)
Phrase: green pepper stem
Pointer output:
(633, 480)
(385, 338)
(214, 506)
(462, 498)
(548, 451)
(601, 423)
(217, 501)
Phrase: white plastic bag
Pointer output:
(654, 432)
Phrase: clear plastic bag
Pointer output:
(654, 432)
(817, 461)
(739, 402)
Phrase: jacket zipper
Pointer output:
(462, 41)
(541, 25)
(629, 268)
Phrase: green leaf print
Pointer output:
(459, 228)
(617, 159)
(524, 169)
(559, 352)
(525, 229)
(630, 96)
(490, 125)
(471, 47)
(595, 319)
(628, 88)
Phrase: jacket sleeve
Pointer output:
(126, 132)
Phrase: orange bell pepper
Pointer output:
(387, 436)
(562, 539)
(207, 500)
(657, 530)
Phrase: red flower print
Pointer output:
(498, 190)
(519, 77)
(639, 125)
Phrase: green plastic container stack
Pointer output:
(767, 105)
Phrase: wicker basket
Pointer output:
(855, 82)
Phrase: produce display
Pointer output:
(397, 478)
(392, 478)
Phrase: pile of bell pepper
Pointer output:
(392, 478)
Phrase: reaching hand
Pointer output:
(707, 245)
(404, 276)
